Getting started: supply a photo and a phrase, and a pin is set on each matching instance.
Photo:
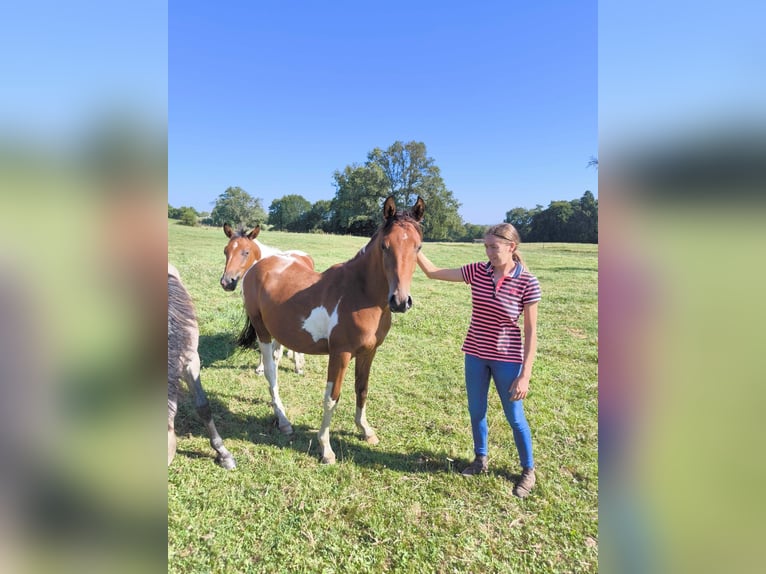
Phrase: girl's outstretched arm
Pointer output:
(434, 272)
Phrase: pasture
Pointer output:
(400, 506)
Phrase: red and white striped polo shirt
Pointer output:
(494, 332)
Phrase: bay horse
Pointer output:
(184, 363)
(242, 252)
(344, 312)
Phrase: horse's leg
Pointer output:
(171, 442)
(192, 378)
(259, 368)
(299, 359)
(300, 362)
(270, 370)
(277, 355)
(362, 377)
(277, 352)
(172, 407)
(336, 369)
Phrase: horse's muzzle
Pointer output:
(228, 284)
(399, 306)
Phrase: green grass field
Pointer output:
(400, 506)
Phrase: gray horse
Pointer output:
(184, 363)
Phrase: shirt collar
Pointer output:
(513, 275)
(488, 269)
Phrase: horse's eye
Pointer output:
(245, 253)
(419, 248)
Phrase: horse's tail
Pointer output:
(247, 338)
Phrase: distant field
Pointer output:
(400, 506)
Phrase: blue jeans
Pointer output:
(477, 375)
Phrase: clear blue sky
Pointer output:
(669, 69)
(275, 96)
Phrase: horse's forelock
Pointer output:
(401, 217)
(241, 231)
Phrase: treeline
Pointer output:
(406, 172)
(573, 221)
(187, 215)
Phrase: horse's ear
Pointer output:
(254, 233)
(418, 209)
(389, 208)
(227, 230)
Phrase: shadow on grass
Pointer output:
(216, 347)
(222, 346)
(187, 423)
(348, 445)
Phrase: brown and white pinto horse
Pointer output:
(242, 252)
(344, 312)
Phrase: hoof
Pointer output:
(328, 458)
(226, 462)
(286, 429)
(372, 439)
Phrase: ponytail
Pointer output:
(519, 259)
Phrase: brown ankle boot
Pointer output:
(478, 466)
(525, 484)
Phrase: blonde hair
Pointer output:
(508, 232)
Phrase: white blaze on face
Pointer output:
(234, 247)
(320, 323)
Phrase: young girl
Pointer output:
(501, 290)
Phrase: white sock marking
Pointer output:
(328, 408)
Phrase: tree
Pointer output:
(404, 171)
(566, 221)
(318, 217)
(442, 222)
(235, 206)
(552, 224)
(522, 220)
(473, 231)
(188, 216)
(590, 206)
(288, 212)
(407, 167)
(411, 173)
(360, 191)
(585, 219)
